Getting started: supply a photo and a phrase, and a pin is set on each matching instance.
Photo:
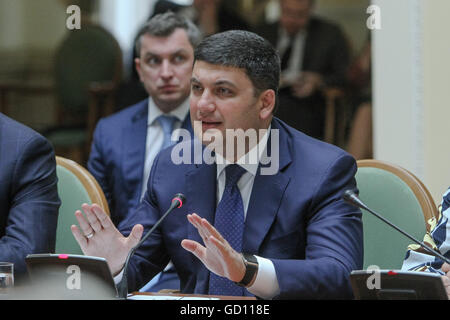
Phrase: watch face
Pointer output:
(251, 269)
(250, 258)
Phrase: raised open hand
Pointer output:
(99, 237)
(217, 255)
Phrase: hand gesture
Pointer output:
(307, 84)
(217, 255)
(99, 237)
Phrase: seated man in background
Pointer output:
(210, 16)
(126, 143)
(314, 55)
(29, 199)
(280, 231)
(214, 16)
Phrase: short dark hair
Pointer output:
(244, 50)
(164, 24)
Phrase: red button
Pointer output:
(392, 273)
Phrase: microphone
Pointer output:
(351, 198)
(177, 202)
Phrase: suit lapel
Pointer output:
(265, 200)
(187, 123)
(133, 145)
(201, 194)
(267, 193)
(201, 199)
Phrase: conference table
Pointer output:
(182, 296)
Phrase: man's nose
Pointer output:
(206, 102)
(166, 69)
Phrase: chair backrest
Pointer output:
(400, 197)
(88, 55)
(75, 187)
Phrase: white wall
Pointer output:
(411, 67)
(436, 96)
(397, 112)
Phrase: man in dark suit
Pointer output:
(269, 216)
(29, 199)
(126, 143)
(314, 55)
(210, 16)
(213, 16)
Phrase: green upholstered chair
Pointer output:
(398, 196)
(87, 72)
(75, 187)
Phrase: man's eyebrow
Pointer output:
(154, 54)
(226, 82)
(150, 54)
(193, 79)
(217, 83)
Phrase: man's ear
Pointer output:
(267, 99)
(137, 64)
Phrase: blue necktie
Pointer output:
(167, 122)
(229, 221)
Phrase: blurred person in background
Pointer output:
(314, 55)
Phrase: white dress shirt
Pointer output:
(155, 135)
(153, 144)
(266, 284)
(295, 62)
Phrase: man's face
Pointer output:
(165, 68)
(295, 15)
(223, 98)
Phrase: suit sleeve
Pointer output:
(152, 256)
(334, 241)
(417, 259)
(32, 219)
(97, 166)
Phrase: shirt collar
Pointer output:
(285, 38)
(154, 112)
(254, 153)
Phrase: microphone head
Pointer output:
(351, 197)
(180, 198)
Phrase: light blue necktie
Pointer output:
(229, 221)
(167, 122)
